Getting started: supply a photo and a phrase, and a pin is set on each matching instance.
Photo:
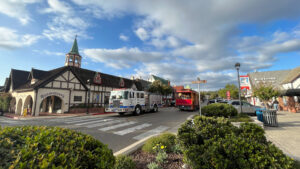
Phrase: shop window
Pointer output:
(77, 98)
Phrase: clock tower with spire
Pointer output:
(73, 58)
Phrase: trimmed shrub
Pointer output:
(253, 132)
(219, 110)
(165, 139)
(236, 152)
(210, 142)
(203, 128)
(124, 162)
(51, 147)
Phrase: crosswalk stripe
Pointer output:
(104, 123)
(117, 126)
(89, 122)
(151, 132)
(78, 121)
(132, 129)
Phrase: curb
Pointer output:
(133, 147)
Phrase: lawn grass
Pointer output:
(240, 118)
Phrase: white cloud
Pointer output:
(207, 34)
(123, 37)
(122, 57)
(66, 23)
(57, 6)
(10, 39)
(17, 9)
(142, 34)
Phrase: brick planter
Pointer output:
(84, 110)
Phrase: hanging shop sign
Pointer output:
(52, 94)
(245, 83)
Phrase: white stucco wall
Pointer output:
(44, 93)
(296, 83)
(21, 96)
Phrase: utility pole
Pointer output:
(198, 82)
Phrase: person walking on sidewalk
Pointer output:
(275, 104)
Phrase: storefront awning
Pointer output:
(290, 92)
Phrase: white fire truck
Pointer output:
(128, 100)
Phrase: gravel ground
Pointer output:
(142, 159)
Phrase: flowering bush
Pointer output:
(165, 139)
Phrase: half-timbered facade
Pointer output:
(58, 90)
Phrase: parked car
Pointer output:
(223, 101)
(246, 107)
(211, 101)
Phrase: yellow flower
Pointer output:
(162, 147)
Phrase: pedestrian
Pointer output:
(275, 104)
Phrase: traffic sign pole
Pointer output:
(198, 82)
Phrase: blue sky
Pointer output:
(177, 40)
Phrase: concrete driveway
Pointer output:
(287, 135)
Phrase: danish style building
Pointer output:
(286, 81)
(59, 90)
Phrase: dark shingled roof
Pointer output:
(106, 79)
(19, 78)
(273, 78)
(293, 75)
(22, 79)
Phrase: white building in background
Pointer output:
(58, 90)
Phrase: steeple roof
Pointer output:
(74, 49)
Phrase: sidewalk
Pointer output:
(287, 135)
(50, 115)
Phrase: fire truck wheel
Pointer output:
(137, 110)
(155, 108)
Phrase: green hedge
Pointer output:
(219, 110)
(51, 147)
(5, 102)
(166, 139)
(124, 162)
(210, 142)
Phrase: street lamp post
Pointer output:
(237, 66)
(199, 96)
(198, 82)
(88, 96)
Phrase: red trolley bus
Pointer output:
(187, 99)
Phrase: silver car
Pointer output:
(246, 107)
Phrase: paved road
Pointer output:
(116, 131)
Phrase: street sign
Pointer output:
(199, 81)
(228, 95)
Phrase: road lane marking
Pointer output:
(132, 129)
(117, 126)
(91, 122)
(105, 123)
(157, 130)
(83, 120)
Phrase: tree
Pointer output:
(5, 101)
(233, 89)
(265, 92)
(158, 87)
(213, 95)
